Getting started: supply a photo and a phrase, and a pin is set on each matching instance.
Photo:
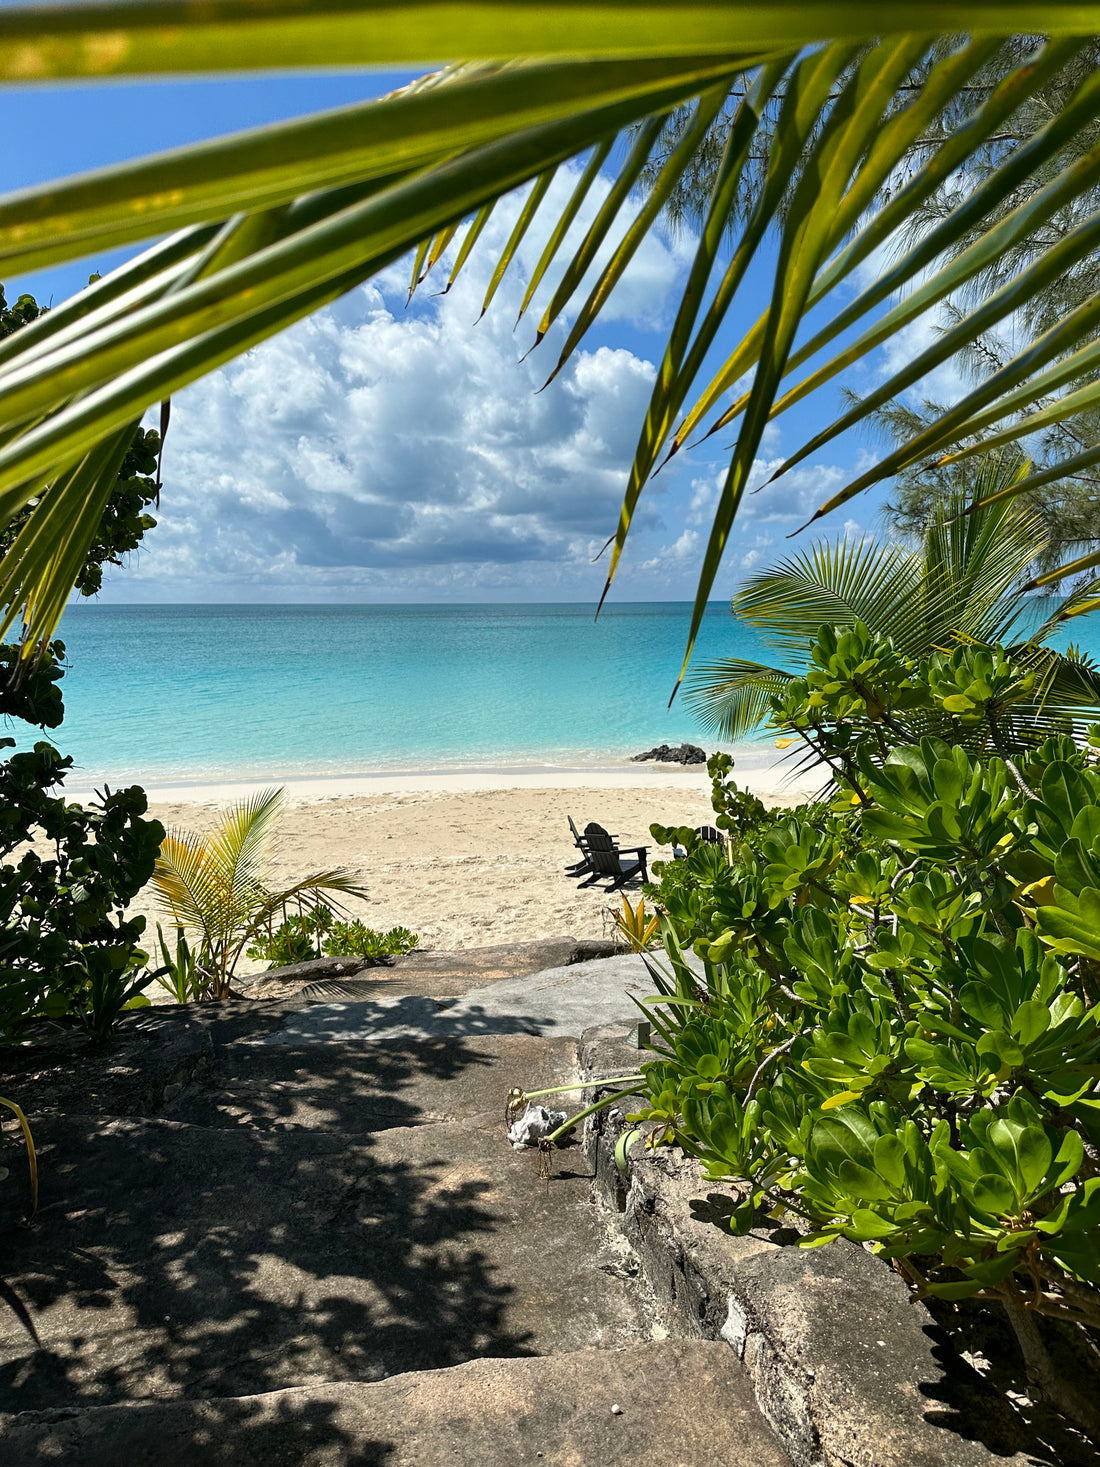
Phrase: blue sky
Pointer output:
(385, 453)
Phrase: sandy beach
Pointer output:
(472, 858)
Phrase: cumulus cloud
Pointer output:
(769, 512)
(385, 449)
(380, 445)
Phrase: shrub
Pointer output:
(305, 935)
(353, 939)
(66, 946)
(897, 1030)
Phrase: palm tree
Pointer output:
(216, 884)
(257, 230)
(959, 587)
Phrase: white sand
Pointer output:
(471, 858)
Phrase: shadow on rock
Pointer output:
(296, 1432)
(214, 1257)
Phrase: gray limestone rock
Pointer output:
(846, 1367)
(681, 1404)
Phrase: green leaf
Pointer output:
(994, 1194)
(1030, 1022)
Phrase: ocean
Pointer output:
(166, 694)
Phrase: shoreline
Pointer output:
(469, 859)
(759, 768)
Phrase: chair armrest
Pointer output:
(638, 850)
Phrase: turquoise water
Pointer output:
(166, 693)
(159, 693)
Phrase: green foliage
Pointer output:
(216, 884)
(352, 939)
(66, 948)
(123, 521)
(66, 951)
(25, 310)
(897, 1029)
(183, 974)
(291, 942)
(305, 935)
(30, 691)
(297, 938)
(969, 151)
(952, 602)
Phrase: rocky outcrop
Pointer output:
(442, 974)
(846, 1367)
(667, 754)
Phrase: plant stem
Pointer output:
(32, 1155)
(1043, 1376)
(582, 1115)
(581, 1085)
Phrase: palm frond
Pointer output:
(240, 845)
(280, 221)
(835, 584)
(732, 697)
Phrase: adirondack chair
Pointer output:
(578, 868)
(711, 834)
(606, 860)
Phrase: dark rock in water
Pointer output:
(681, 754)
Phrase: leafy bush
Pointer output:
(305, 935)
(290, 942)
(897, 1030)
(215, 883)
(66, 946)
(297, 939)
(354, 940)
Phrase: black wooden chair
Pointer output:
(605, 860)
(581, 842)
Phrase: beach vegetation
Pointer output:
(354, 940)
(68, 950)
(180, 973)
(637, 925)
(294, 940)
(889, 1029)
(216, 884)
(868, 181)
(952, 602)
(305, 935)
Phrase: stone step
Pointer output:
(681, 1404)
(354, 1087)
(427, 973)
(560, 1001)
(170, 1258)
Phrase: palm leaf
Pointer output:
(217, 883)
(1002, 184)
(835, 585)
(320, 204)
(731, 697)
(961, 586)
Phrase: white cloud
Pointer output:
(374, 445)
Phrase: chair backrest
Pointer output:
(709, 833)
(598, 838)
(605, 858)
(578, 839)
